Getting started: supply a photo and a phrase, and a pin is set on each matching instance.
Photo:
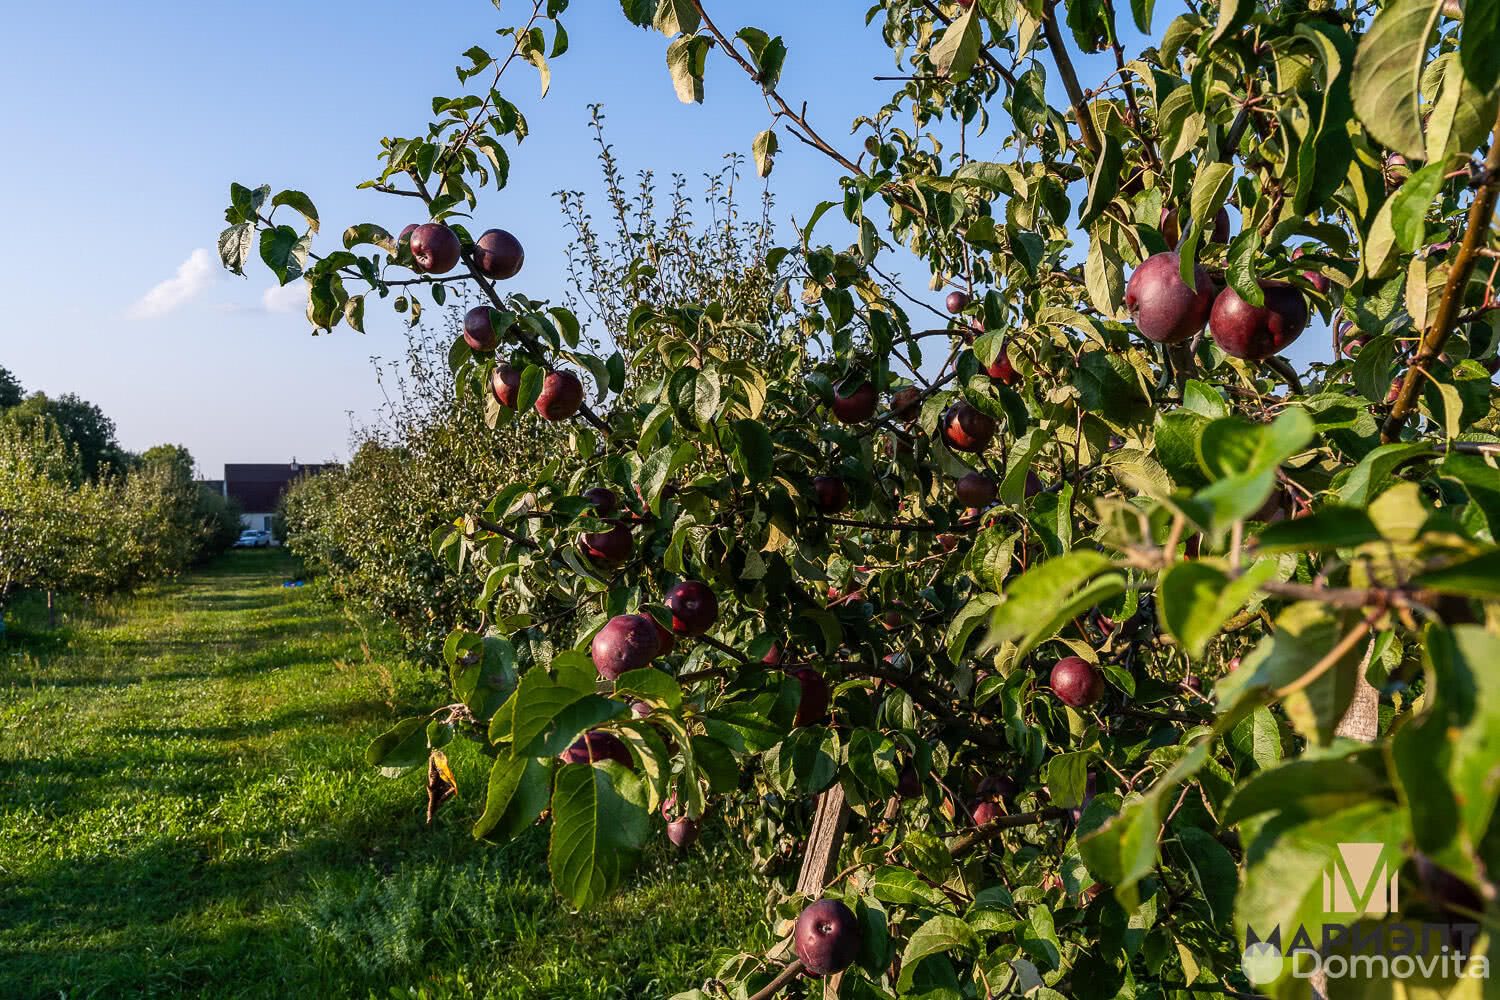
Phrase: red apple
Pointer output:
(1076, 683)
(694, 607)
(505, 383)
(975, 490)
(479, 332)
(1164, 308)
(827, 937)
(434, 247)
(498, 254)
(967, 429)
(596, 748)
(830, 495)
(813, 707)
(1255, 333)
(957, 302)
(625, 643)
(682, 832)
(609, 548)
(562, 396)
(856, 405)
(1172, 234)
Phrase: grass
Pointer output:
(185, 812)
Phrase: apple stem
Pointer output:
(787, 975)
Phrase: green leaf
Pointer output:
(956, 52)
(284, 252)
(1479, 45)
(902, 886)
(368, 232)
(969, 618)
(537, 702)
(1310, 786)
(940, 934)
(1141, 10)
(234, 246)
(1370, 476)
(1411, 204)
(1241, 273)
(1232, 16)
(650, 685)
(753, 451)
(299, 202)
(674, 17)
(1196, 599)
(687, 57)
(404, 745)
(1105, 181)
(516, 796)
(764, 150)
(1067, 778)
(1335, 527)
(1478, 576)
(530, 388)
(1104, 277)
(599, 826)
(1462, 115)
(1387, 81)
(1211, 185)
(1213, 869)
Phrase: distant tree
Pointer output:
(173, 457)
(83, 425)
(10, 389)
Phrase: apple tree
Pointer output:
(1094, 625)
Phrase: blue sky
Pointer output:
(132, 127)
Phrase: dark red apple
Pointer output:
(640, 709)
(498, 254)
(682, 832)
(830, 495)
(1033, 484)
(1172, 233)
(562, 396)
(665, 640)
(813, 707)
(984, 812)
(827, 936)
(1446, 891)
(603, 500)
(1001, 370)
(957, 302)
(479, 332)
(625, 643)
(904, 403)
(1164, 308)
(856, 405)
(975, 490)
(1076, 683)
(434, 247)
(609, 548)
(967, 429)
(1318, 279)
(948, 541)
(909, 786)
(596, 748)
(773, 655)
(505, 383)
(694, 607)
(1254, 334)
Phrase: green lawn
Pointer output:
(185, 811)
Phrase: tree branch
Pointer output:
(1000, 824)
(1070, 79)
(1477, 234)
(775, 986)
(984, 53)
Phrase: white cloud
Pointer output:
(200, 270)
(291, 298)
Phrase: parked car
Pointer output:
(253, 540)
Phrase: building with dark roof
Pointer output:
(258, 489)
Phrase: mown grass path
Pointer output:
(185, 811)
